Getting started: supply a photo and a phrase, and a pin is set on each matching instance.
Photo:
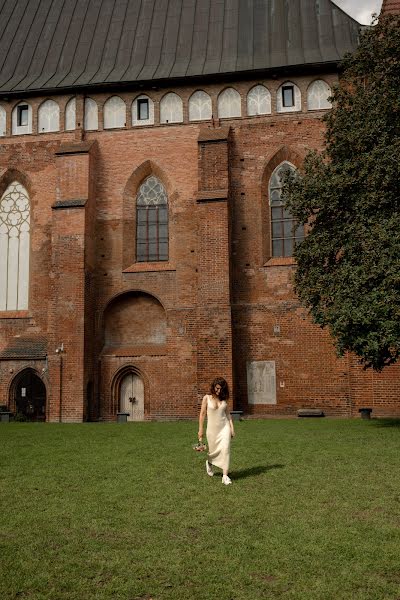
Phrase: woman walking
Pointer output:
(220, 428)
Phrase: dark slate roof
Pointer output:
(25, 348)
(60, 44)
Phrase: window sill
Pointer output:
(15, 314)
(149, 267)
(281, 261)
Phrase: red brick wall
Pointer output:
(221, 293)
(391, 7)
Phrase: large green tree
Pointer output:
(348, 196)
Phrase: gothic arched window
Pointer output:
(229, 104)
(48, 117)
(14, 248)
(318, 94)
(171, 109)
(151, 221)
(70, 115)
(200, 108)
(288, 98)
(91, 115)
(3, 121)
(284, 233)
(114, 113)
(258, 101)
(21, 121)
(142, 111)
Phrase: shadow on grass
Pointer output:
(254, 471)
(385, 422)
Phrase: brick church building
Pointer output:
(144, 246)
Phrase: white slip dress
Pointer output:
(218, 434)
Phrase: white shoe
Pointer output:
(226, 480)
(209, 470)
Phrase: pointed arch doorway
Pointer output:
(29, 395)
(131, 396)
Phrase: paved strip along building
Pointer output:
(144, 247)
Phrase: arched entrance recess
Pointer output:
(128, 392)
(29, 395)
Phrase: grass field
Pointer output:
(107, 511)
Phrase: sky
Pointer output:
(361, 10)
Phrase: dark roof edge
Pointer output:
(272, 72)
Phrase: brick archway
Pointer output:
(28, 395)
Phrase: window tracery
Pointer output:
(70, 115)
(171, 109)
(3, 121)
(14, 248)
(114, 113)
(259, 101)
(284, 233)
(91, 115)
(229, 104)
(48, 117)
(318, 94)
(151, 221)
(200, 106)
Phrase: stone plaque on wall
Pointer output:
(261, 382)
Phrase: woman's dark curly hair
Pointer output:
(224, 394)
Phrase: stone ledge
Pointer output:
(310, 412)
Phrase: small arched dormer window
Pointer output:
(200, 108)
(171, 109)
(3, 121)
(142, 111)
(48, 117)
(114, 113)
(91, 115)
(318, 94)
(14, 247)
(284, 232)
(229, 104)
(22, 119)
(151, 221)
(258, 101)
(70, 115)
(288, 98)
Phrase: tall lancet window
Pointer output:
(14, 248)
(285, 232)
(151, 221)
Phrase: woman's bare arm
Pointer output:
(202, 416)
(229, 416)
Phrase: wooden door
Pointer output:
(132, 397)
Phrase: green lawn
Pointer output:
(107, 511)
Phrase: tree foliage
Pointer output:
(348, 273)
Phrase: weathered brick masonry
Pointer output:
(97, 317)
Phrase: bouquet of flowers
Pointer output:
(200, 447)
